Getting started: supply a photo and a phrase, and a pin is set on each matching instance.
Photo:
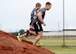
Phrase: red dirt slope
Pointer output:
(10, 45)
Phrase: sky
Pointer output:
(15, 14)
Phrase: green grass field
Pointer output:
(55, 45)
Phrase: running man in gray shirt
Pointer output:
(34, 16)
(35, 11)
(32, 29)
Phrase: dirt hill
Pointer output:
(10, 45)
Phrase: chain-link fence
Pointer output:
(58, 39)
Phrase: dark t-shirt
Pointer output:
(43, 13)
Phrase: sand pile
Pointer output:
(10, 45)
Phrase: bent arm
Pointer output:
(40, 17)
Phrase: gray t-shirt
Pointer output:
(33, 14)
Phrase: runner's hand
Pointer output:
(44, 24)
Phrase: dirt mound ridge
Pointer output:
(10, 45)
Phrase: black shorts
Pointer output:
(37, 27)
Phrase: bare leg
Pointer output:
(30, 32)
(33, 32)
(24, 35)
(39, 36)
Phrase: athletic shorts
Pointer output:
(36, 26)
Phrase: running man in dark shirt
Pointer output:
(40, 21)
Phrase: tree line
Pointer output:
(22, 31)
